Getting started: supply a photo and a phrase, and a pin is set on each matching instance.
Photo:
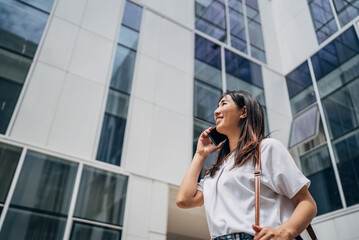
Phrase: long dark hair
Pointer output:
(253, 130)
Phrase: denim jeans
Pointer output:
(235, 236)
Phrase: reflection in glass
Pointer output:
(206, 100)
(338, 51)
(82, 231)
(128, 37)
(9, 157)
(323, 19)
(44, 5)
(316, 166)
(102, 196)
(237, 26)
(207, 73)
(24, 224)
(45, 183)
(208, 52)
(304, 126)
(211, 19)
(346, 152)
(346, 10)
(132, 16)
(123, 69)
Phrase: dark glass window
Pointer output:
(21, 26)
(323, 19)
(346, 10)
(114, 123)
(211, 19)
(300, 88)
(9, 157)
(237, 25)
(84, 231)
(41, 199)
(346, 151)
(316, 165)
(335, 53)
(101, 197)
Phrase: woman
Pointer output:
(227, 190)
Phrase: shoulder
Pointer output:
(271, 143)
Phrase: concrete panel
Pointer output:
(59, 43)
(103, 17)
(326, 230)
(156, 236)
(37, 111)
(159, 209)
(347, 226)
(76, 120)
(77, 9)
(92, 56)
(149, 42)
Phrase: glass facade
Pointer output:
(240, 74)
(346, 10)
(114, 122)
(244, 29)
(43, 193)
(21, 26)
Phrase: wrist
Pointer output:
(201, 155)
(288, 232)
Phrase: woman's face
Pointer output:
(227, 115)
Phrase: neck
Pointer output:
(233, 139)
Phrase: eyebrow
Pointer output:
(222, 101)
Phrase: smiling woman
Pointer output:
(227, 190)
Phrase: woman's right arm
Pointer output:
(188, 196)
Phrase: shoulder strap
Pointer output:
(257, 174)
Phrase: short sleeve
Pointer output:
(200, 185)
(279, 169)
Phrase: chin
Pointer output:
(219, 129)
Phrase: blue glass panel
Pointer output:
(346, 10)
(347, 154)
(302, 100)
(298, 79)
(132, 16)
(252, 3)
(208, 52)
(255, 34)
(111, 141)
(236, 5)
(238, 33)
(21, 27)
(207, 73)
(44, 5)
(45, 183)
(102, 196)
(335, 53)
(316, 165)
(9, 93)
(82, 231)
(128, 37)
(323, 19)
(9, 157)
(21, 224)
(210, 19)
(244, 69)
(123, 69)
(206, 100)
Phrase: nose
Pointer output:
(216, 112)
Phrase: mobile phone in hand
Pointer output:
(216, 137)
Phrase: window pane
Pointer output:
(206, 100)
(342, 109)
(23, 224)
(9, 157)
(238, 32)
(258, 53)
(44, 5)
(82, 231)
(346, 10)
(298, 79)
(21, 27)
(45, 183)
(255, 34)
(128, 37)
(208, 52)
(207, 73)
(317, 167)
(102, 196)
(323, 19)
(304, 126)
(211, 19)
(123, 68)
(302, 100)
(346, 151)
(117, 104)
(132, 16)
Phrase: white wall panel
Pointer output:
(103, 17)
(150, 36)
(77, 8)
(76, 118)
(91, 57)
(36, 113)
(159, 208)
(59, 43)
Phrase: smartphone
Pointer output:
(216, 137)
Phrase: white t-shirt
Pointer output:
(229, 195)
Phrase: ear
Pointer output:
(243, 113)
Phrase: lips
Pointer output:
(218, 119)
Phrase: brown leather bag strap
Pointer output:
(257, 174)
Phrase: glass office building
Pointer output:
(102, 103)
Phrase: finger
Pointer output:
(220, 145)
(256, 228)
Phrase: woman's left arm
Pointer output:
(305, 211)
